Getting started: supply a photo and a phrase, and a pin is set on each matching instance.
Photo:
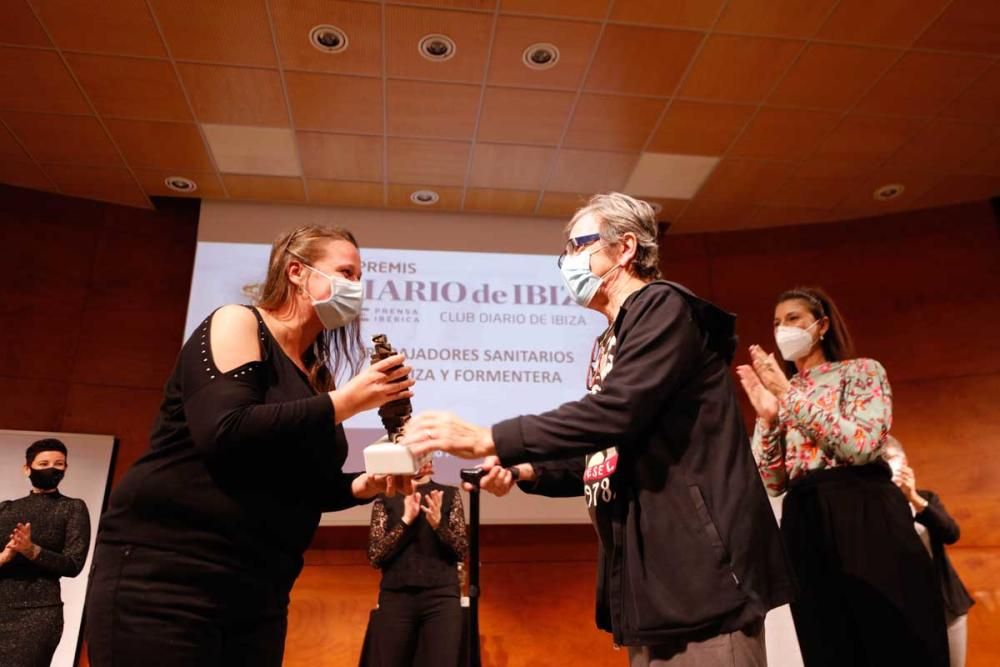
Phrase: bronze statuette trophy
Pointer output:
(387, 456)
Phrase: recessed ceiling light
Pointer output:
(887, 192)
(328, 38)
(541, 56)
(180, 184)
(424, 197)
(437, 48)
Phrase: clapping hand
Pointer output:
(433, 508)
(7, 555)
(763, 401)
(20, 541)
(769, 371)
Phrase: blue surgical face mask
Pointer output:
(581, 282)
(344, 303)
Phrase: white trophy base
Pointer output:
(384, 457)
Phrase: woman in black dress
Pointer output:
(204, 536)
(936, 528)
(48, 537)
(417, 542)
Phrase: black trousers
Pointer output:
(868, 594)
(29, 635)
(151, 608)
(417, 626)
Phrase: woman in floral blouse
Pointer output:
(867, 592)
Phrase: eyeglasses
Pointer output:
(576, 243)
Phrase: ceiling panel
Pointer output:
(341, 157)
(591, 171)
(888, 22)
(24, 174)
(153, 182)
(222, 31)
(430, 162)
(517, 115)
(738, 183)
(439, 110)
(669, 208)
(450, 199)
(675, 13)
(954, 188)
(805, 191)
(514, 202)
(784, 134)
(113, 184)
(830, 76)
(346, 193)
(561, 204)
(508, 167)
(626, 57)
(264, 188)
(474, 5)
(777, 216)
(920, 84)
(697, 128)
(122, 27)
(980, 101)
(575, 41)
(866, 140)
(860, 201)
(943, 145)
(153, 145)
(335, 102)
(37, 81)
(235, 95)
(9, 148)
(234, 88)
(986, 161)
(360, 21)
(788, 18)
(966, 25)
(612, 122)
(581, 9)
(253, 150)
(739, 69)
(57, 138)
(19, 25)
(407, 25)
(130, 87)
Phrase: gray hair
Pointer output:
(892, 448)
(620, 214)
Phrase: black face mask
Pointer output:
(46, 479)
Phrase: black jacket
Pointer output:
(695, 550)
(944, 530)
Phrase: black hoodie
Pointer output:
(689, 547)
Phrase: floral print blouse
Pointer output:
(834, 414)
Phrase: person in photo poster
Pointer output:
(47, 536)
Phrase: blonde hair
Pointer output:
(620, 214)
(333, 352)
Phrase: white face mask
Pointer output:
(794, 342)
(580, 280)
(344, 303)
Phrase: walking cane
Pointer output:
(472, 477)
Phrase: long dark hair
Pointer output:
(836, 343)
(335, 351)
